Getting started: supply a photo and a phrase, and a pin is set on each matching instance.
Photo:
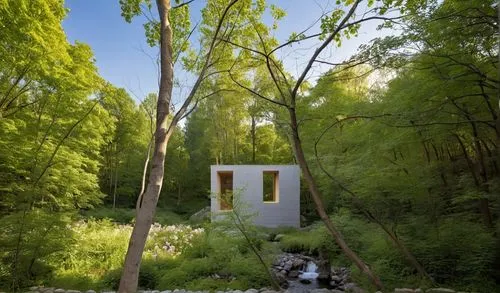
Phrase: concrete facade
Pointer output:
(248, 185)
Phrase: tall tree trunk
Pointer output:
(253, 139)
(145, 214)
(144, 175)
(320, 208)
(116, 186)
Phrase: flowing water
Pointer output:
(306, 281)
(310, 271)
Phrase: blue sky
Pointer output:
(125, 59)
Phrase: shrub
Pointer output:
(99, 247)
(309, 242)
(127, 216)
(117, 215)
(248, 269)
(172, 240)
(29, 240)
(175, 278)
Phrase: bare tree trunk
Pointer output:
(116, 186)
(149, 200)
(145, 214)
(320, 208)
(110, 169)
(253, 139)
(144, 175)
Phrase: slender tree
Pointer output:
(340, 23)
(164, 130)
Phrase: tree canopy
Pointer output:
(399, 142)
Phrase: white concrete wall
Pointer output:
(248, 185)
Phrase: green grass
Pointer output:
(95, 260)
(127, 216)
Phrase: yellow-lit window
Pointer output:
(270, 186)
(225, 192)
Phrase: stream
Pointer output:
(307, 280)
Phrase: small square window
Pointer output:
(270, 186)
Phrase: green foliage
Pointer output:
(410, 154)
(99, 247)
(127, 216)
(95, 258)
(310, 242)
(117, 215)
(29, 240)
(457, 249)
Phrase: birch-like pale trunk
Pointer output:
(163, 132)
(145, 214)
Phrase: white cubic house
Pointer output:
(271, 192)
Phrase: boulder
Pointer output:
(298, 263)
(288, 265)
(201, 215)
(59, 290)
(281, 279)
(293, 274)
(323, 276)
(336, 279)
(252, 291)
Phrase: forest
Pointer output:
(398, 146)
